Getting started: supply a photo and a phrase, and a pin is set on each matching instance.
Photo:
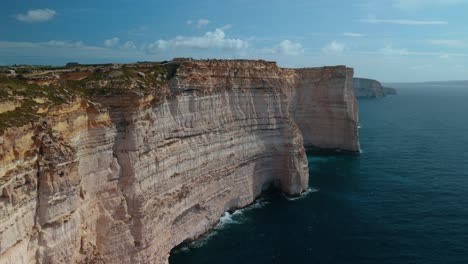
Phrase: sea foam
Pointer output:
(302, 196)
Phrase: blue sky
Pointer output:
(389, 40)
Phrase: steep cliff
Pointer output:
(371, 88)
(324, 106)
(119, 164)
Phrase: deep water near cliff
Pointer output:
(402, 201)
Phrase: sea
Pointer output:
(404, 199)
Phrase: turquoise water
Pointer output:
(403, 200)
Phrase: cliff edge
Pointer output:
(121, 163)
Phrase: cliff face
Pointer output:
(325, 108)
(367, 88)
(371, 88)
(124, 177)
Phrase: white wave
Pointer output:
(303, 195)
(225, 220)
(261, 202)
(237, 214)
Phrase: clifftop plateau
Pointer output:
(120, 163)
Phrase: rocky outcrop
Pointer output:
(389, 91)
(368, 88)
(123, 176)
(324, 106)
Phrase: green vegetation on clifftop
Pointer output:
(25, 96)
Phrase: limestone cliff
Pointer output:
(325, 108)
(369, 88)
(120, 163)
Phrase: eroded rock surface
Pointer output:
(129, 171)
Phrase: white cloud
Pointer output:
(129, 45)
(353, 35)
(409, 5)
(189, 22)
(202, 22)
(37, 15)
(448, 42)
(158, 45)
(334, 48)
(404, 21)
(286, 47)
(211, 39)
(112, 42)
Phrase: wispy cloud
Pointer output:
(334, 47)
(112, 42)
(50, 44)
(389, 50)
(403, 21)
(129, 45)
(421, 67)
(202, 22)
(58, 52)
(62, 44)
(409, 5)
(448, 42)
(353, 35)
(115, 42)
(138, 31)
(37, 15)
(226, 27)
(444, 56)
(211, 39)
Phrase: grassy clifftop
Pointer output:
(27, 92)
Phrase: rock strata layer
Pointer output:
(125, 177)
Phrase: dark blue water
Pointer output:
(403, 200)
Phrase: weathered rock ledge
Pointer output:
(121, 163)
